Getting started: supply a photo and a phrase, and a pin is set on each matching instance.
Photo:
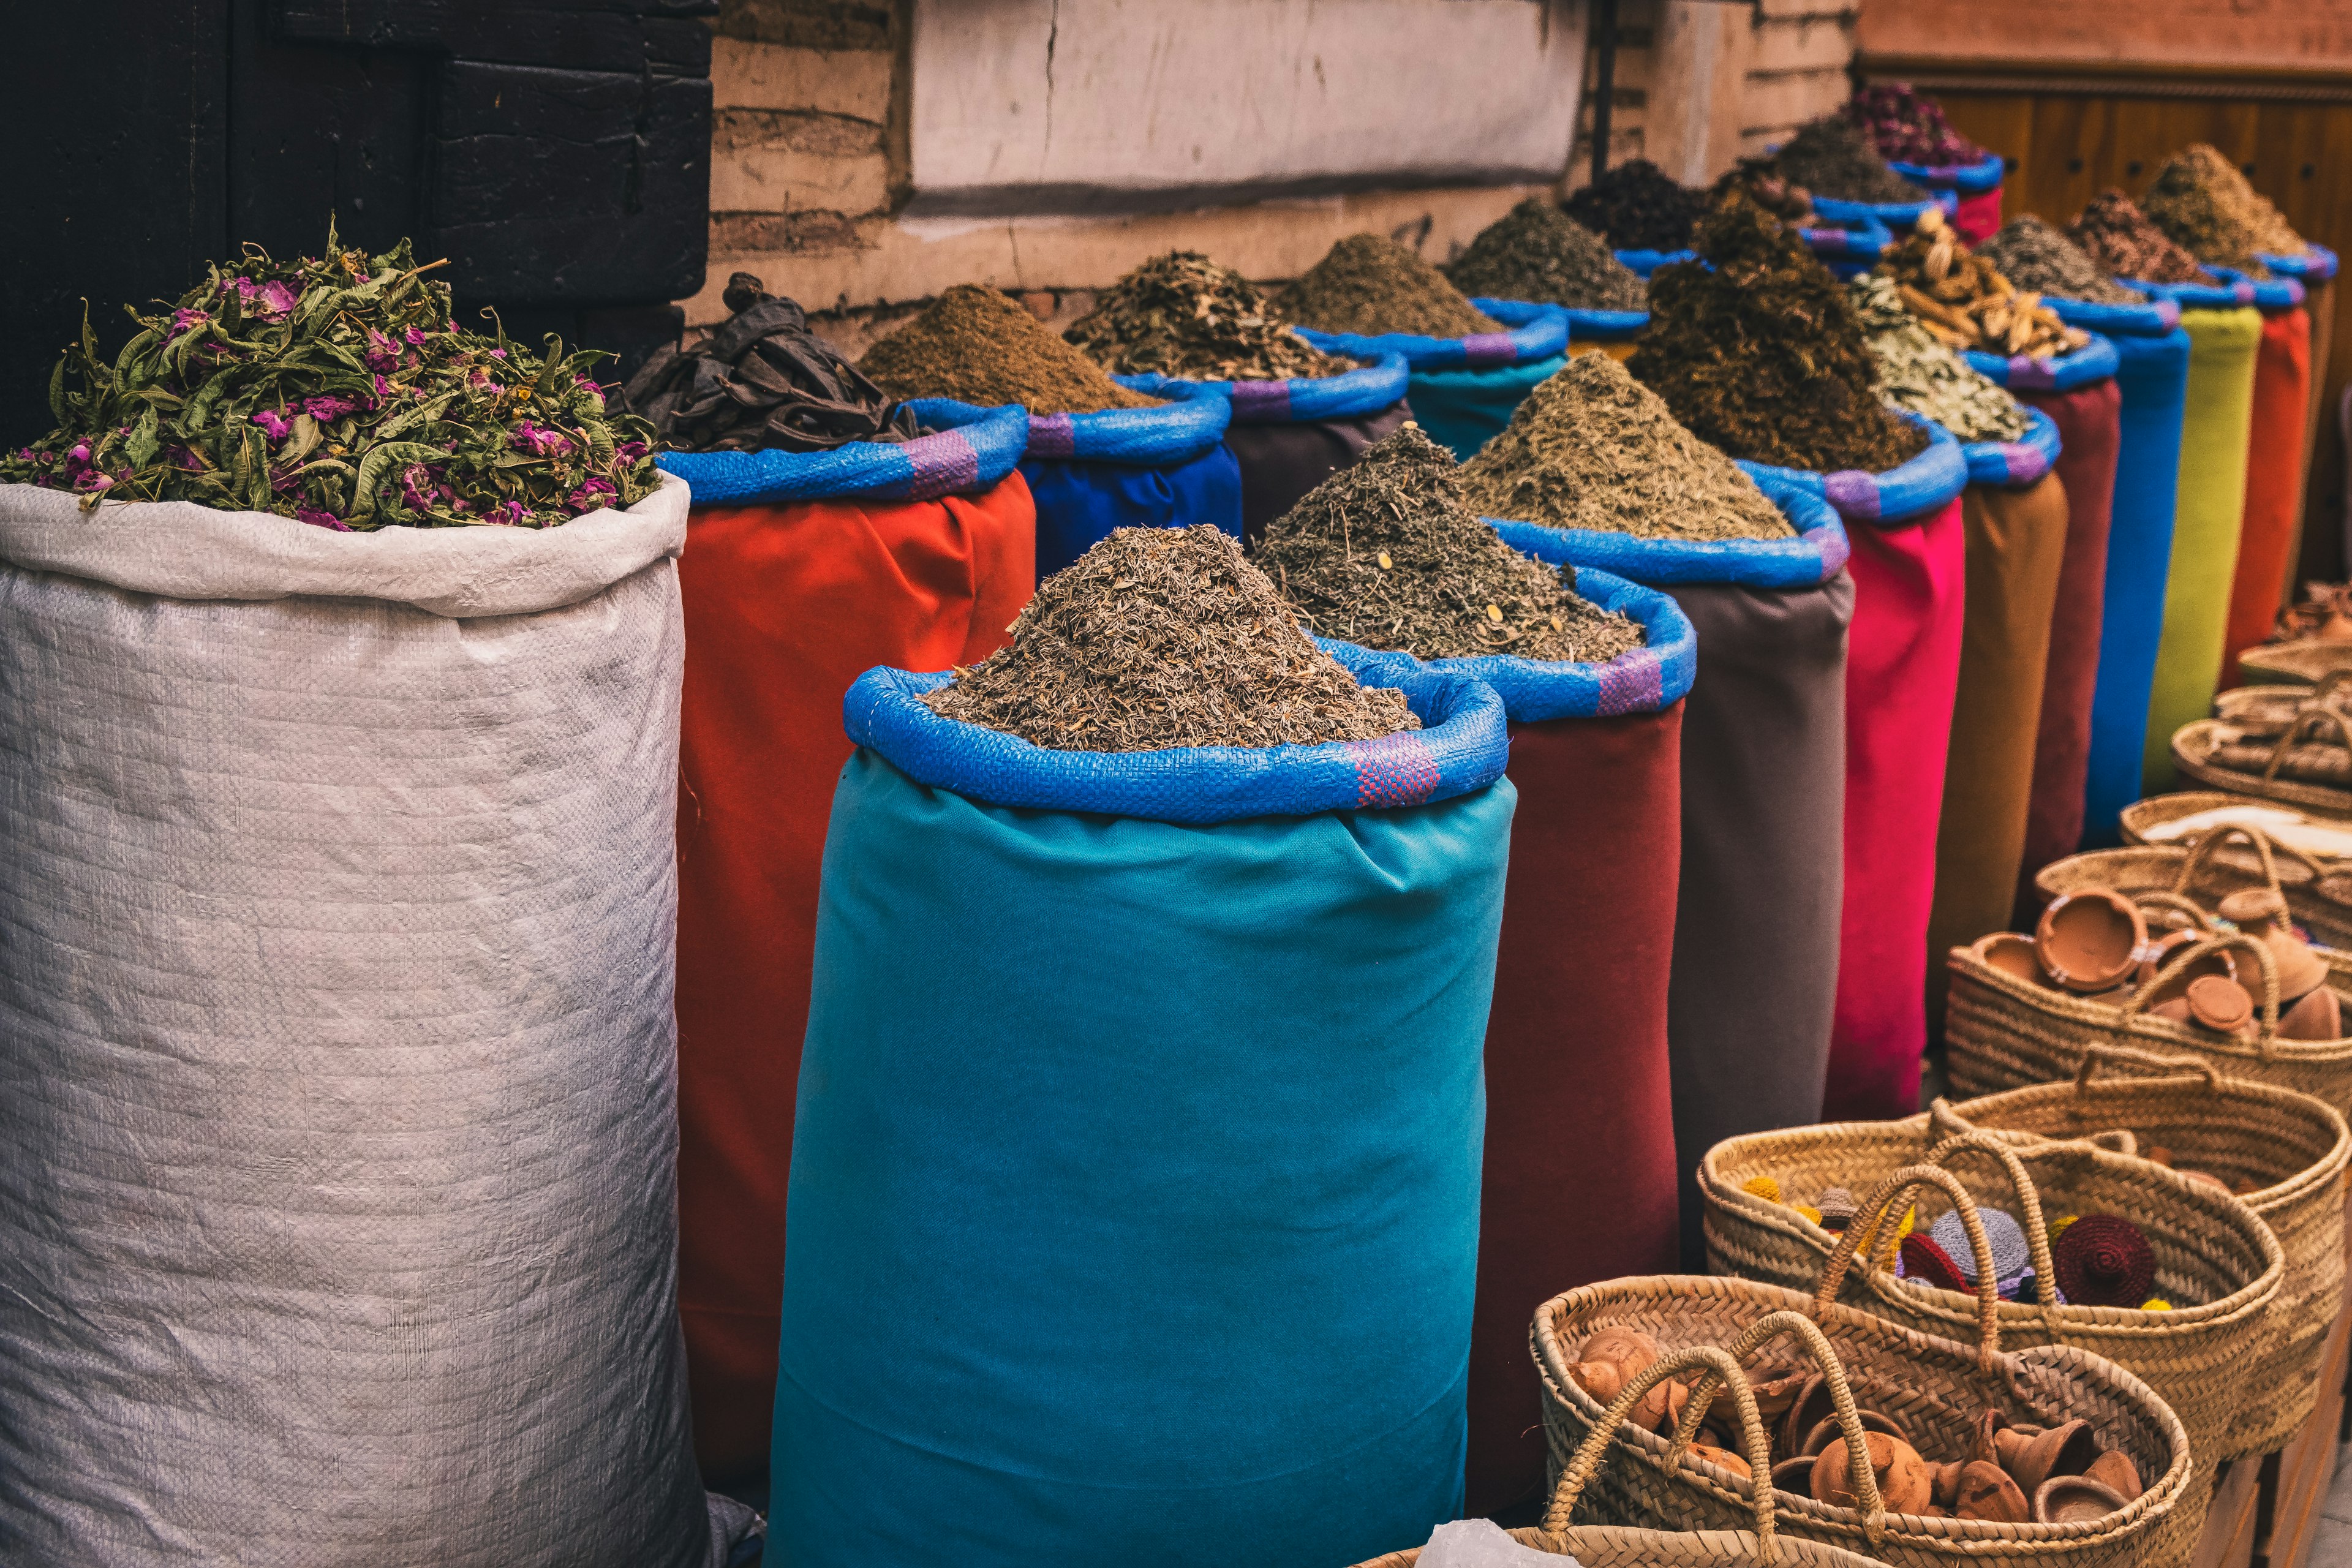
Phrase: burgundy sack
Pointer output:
(1281, 462)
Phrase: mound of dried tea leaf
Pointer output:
(1833, 157)
(762, 380)
(337, 391)
(1371, 285)
(978, 346)
(2119, 236)
(1160, 637)
(1761, 355)
(2201, 199)
(1538, 252)
(1639, 206)
(1905, 123)
(2033, 255)
(1920, 373)
(1592, 447)
(1385, 554)
(1182, 315)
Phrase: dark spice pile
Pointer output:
(1832, 157)
(336, 391)
(762, 380)
(1385, 553)
(1538, 252)
(976, 345)
(2118, 237)
(1182, 315)
(1908, 127)
(2033, 255)
(2201, 199)
(1160, 637)
(1763, 356)
(1371, 285)
(1760, 183)
(1592, 447)
(1639, 206)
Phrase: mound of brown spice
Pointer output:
(1385, 553)
(2120, 238)
(2203, 202)
(1834, 157)
(1370, 285)
(978, 346)
(1160, 637)
(2033, 255)
(1182, 315)
(1538, 252)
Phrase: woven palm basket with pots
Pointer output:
(2267, 711)
(2295, 663)
(2178, 821)
(2290, 1147)
(1628, 1546)
(2215, 1260)
(2318, 892)
(2294, 766)
(1936, 1390)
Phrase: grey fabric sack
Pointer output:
(337, 1072)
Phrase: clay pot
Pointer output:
(2261, 912)
(2012, 954)
(1825, 1432)
(2115, 1470)
(2090, 940)
(1902, 1483)
(2066, 1449)
(1604, 1380)
(1662, 1408)
(1806, 1411)
(2318, 1017)
(1944, 1482)
(2221, 1005)
(1724, 1457)
(1612, 1358)
(1987, 1492)
(1794, 1476)
(2074, 1499)
(1773, 1397)
(2162, 950)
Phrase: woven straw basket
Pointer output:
(2295, 663)
(1625, 1546)
(1935, 1388)
(2215, 1260)
(2274, 708)
(2143, 820)
(2219, 864)
(2291, 1146)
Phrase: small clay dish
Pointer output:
(2221, 1005)
(1986, 1492)
(1795, 1476)
(2162, 950)
(2091, 940)
(2066, 1449)
(2115, 1470)
(2012, 954)
(2260, 913)
(2074, 1499)
(1825, 1431)
(2318, 1017)
(1724, 1457)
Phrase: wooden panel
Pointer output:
(2276, 34)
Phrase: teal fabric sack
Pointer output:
(1134, 1201)
(1462, 410)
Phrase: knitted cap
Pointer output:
(1921, 1259)
(2105, 1260)
(2010, 1256)
(1764, 1188)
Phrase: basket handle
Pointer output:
(1948, 1122)
(2180, 903)
(2107, 1054)
(2328, 686)
(1721, 1367)
(2308, 718)
(1877, 1209)
(2266, 1038)
(2201, 852)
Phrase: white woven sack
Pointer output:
(337, 1077)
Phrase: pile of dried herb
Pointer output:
(1385, 553)
(978, 346)
(2119, 236)
(1639, 206)
(337, 391)
(1833, 157)
(2033, 255)
(762, 380)
(1160, 637)
(1761, 355)
(1592, 447)
(2201, 199)
(1538, 252)
(1182, 315)
(1760, 183)
(1371, 285)
(1964, 299)
(1909, 127)
(1921, 373)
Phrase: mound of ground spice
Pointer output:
(1182, 315)
(2201, 199)
(1538, 252)
(1905, 124)
(1761, 352)
(1639, 206)
(2033, 255)
(1592, 447)
(1160, 637)
(1920, 373)
(976, 345)
(2119, 236)
(1370, 285)
(1385, 553)
(1833, 157)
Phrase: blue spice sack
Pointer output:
(2263, 293)
(2094, 361)
(1965, 179)
(1125, 1141)
(2316, 265)
(1642, 263)
(1464, 390)
(1131, 468)
(1817, 553)
(2013, 465)
(1913, 488)
(973, 449)
(1897, 215)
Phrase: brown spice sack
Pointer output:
(978, 346)
(1371, 285)
(1160, 637)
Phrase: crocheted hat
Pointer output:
(1920, 1258)
(2105, 1260)
(2012, 1260)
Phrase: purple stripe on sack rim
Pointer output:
(1853, 493)
(2242, 291)
(1261, 402)
(1835, 553)
(944, 464)
(1396, 770)
(2037, 374)
(1630, 683)
(1481, 349)
(1052, 436)
(2022, 461)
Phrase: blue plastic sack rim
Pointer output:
(1463, 746)
(2219, 295)
(2153, 318)
(2269, 293)
(2318, 264)
(1867, 244)
(1299, 400)
(974, 448)
(1535, 333)
(1642, 263)
(1816, 554)
(1969, 179)
(1190, 423)
(1897, 214)
(1905, 493)
(1606, 326)
(2093, 361)
(2013, 465)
